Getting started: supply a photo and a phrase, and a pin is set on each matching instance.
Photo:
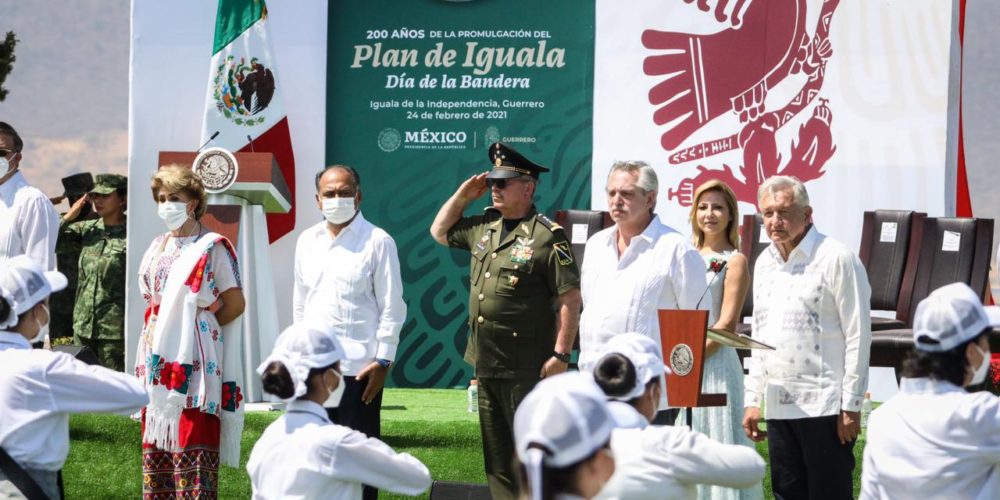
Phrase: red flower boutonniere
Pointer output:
(715, 265)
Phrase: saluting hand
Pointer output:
(77, 207)
(473, 187)
(376, 379)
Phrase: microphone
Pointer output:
(724, 264)
(250, 139)
(210, 139)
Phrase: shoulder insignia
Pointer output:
(548, 223)
(563, 253)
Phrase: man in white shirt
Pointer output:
(934, 439)
(635, 267)
(347, 276)
(811, 301)
(29, 223)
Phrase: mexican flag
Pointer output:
(243, 102)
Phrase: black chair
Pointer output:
(951, 250)
(574, 221)
(753, 242)
(890, 261)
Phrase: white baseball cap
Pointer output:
(23, 283)
(566, 416)
(951, 316)
(306, 345)
(644, 353)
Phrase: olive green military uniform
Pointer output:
(512, 318)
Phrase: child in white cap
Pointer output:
(561, 431)
(304, 455)
(39, 389)
(654, 461)
(934, 439)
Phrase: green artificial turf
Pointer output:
(105, 459)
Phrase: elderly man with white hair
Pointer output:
(811, 301)
(635, 267)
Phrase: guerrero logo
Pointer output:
(702, 77)
(389, 140)
(243, 90)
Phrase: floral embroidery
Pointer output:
(174, 376)
(231, 396)
(210, 366)
(196, 366)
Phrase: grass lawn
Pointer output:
(432, 424)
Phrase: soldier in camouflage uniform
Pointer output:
(61, 303)
(524, 301)
(99, 315)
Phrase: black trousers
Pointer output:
(357, 415)
(808, 461)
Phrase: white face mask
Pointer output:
(979, 376)
(337, 394)
(42, 330)
(5, 166)
(338, 210)
(173, 213)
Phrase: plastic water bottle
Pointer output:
(473, 396)
(866, 409)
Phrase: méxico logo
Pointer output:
(700, 77)
(242, 90)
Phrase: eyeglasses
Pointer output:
(7, 152)
(499, 183)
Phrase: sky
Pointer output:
(69, 93)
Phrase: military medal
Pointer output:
(522, 251)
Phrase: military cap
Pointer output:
(78, 184)
(109, 183)
(508, 163)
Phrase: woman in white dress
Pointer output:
(715, 233)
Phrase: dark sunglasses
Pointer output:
(499, 183)
(7, 152)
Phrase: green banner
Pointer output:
(416, 93)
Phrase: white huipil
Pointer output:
(351, 283)
(29, 223)
(933, 440)
(654, 462)
(39, 389)
(304, 455)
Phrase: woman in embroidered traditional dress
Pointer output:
(714, 221)
(191, 283)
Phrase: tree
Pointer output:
(6, 60)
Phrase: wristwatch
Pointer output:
(561, 356)
(384, 363)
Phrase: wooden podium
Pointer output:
(682, 335)
(238, 213)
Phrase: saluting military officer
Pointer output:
(524, 301)
(67, 259)
(99, 315)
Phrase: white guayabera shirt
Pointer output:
(304, 455)
(29, 223)
(351, 283)
(660, 269)
(815, 310)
